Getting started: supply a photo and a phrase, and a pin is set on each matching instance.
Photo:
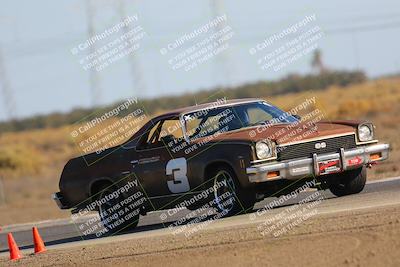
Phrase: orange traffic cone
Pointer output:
(15, 254)
(38, 241)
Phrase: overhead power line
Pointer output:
(364, 28)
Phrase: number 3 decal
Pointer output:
(177, 168)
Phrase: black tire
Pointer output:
(237, 201)
(110, 218)
(350, 182)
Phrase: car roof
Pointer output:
(216, 104)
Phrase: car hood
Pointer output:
(286, 132)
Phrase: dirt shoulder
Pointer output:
(362, 238)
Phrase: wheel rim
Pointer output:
(228, 187)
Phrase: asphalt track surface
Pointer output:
(64, 233)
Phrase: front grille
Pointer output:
(307, 149)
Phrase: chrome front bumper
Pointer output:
(299, 168)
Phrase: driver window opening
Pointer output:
(164, 133)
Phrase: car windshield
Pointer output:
(207, 122)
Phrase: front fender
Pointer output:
(237, 155)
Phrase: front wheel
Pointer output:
(229, 197)
(349, 182)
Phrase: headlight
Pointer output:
(263, 150)
(365, 132)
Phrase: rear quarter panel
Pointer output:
(80, 173)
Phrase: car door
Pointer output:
(164, 177)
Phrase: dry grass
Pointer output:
(34, 153)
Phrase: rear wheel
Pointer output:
(229, 197)
(113, 217)
(350, 182)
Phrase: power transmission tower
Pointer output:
(93, 75)
(8, 96)
(223, 61)
(135, 66)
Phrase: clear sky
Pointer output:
(36, 38)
